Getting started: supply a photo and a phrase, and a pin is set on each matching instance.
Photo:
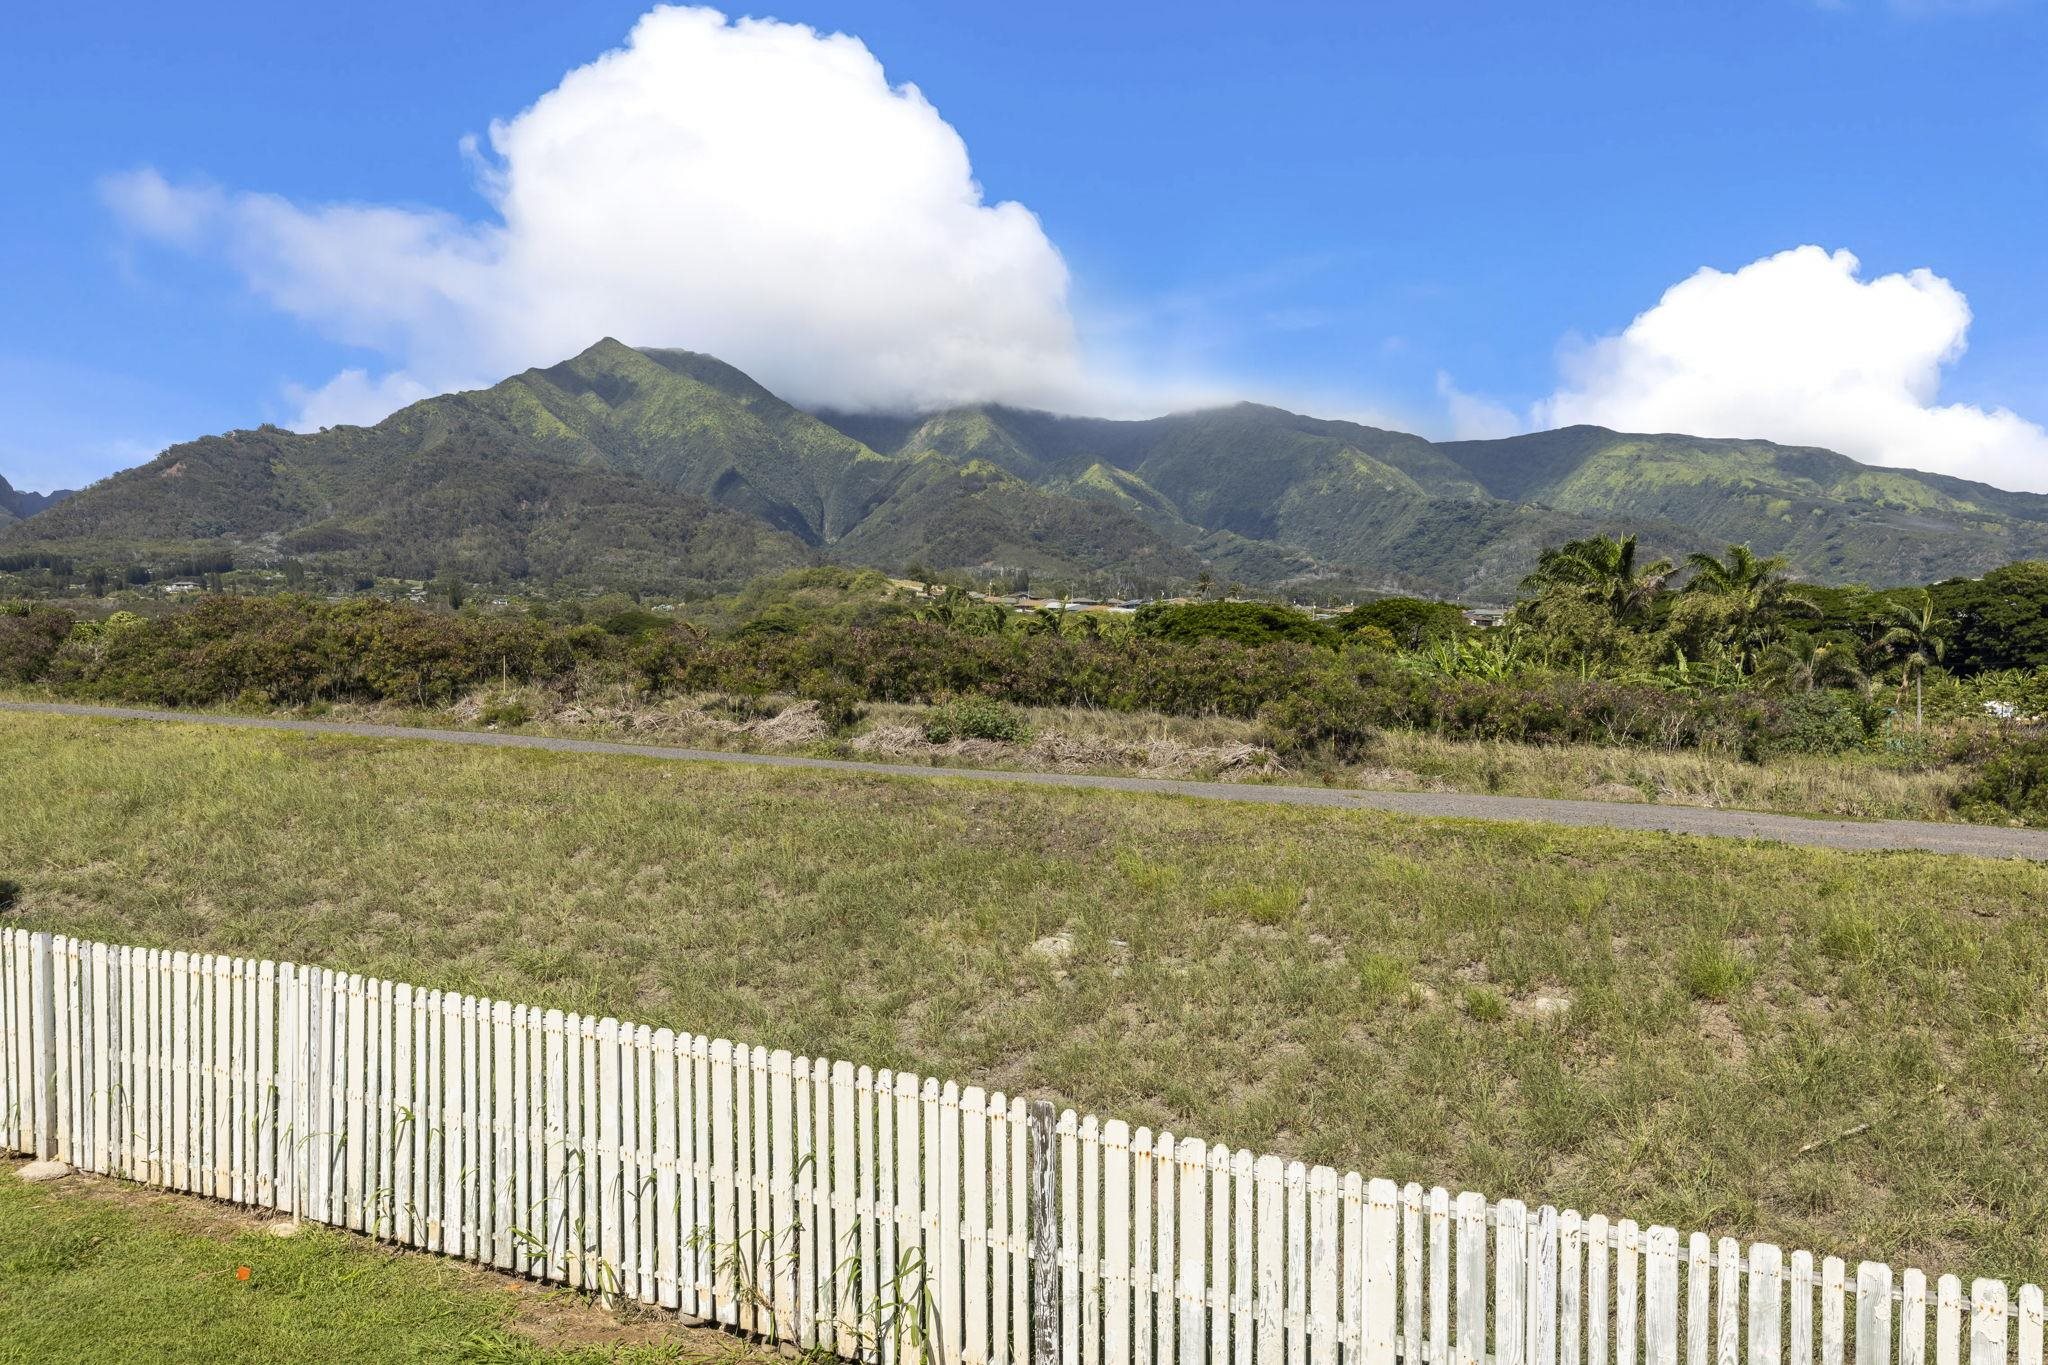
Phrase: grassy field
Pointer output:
(91, 1270)
(1674, 1030)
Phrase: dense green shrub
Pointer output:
(1331, 716)
(1822, 722)
(975, 718)
(30, 635)
(2013, 783)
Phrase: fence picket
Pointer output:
(1381, 1229)
(1764, 1307)
(1699, 1300)
(1412, 1254)
(1873, 1313)
(910, 1253)
(1913, 1318)
(1221, 1205)
(1470, 1347)
(1192, 1178)
(1571, 1285)
(1164, 1247)
(1948, 1321)
(1831, 1309)
(1987, 1322)
(1660, 1296)
(1000, 1303)
(1087, 1148)
(1728, 1309)
(1510, 1269)
(1799, 1341)
(974, 1219)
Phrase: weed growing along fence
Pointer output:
(874, 1215)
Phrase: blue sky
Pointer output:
(1427, 215)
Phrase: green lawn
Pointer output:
(1638, 1025)
(91, 1270)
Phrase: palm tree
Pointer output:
(1799, 662)
(1917, 637)
(1756, 591)
(1601, 569)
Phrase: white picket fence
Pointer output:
(876, 1215)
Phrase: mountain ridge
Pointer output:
(670, 468)
(19, 504)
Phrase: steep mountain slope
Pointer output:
(1836, 519)
(1267, 496)
(352, 500)
(666, 467)
(974, 513)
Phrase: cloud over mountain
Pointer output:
(753, 188)
(1797, 347)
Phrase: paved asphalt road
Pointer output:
(1860, 835)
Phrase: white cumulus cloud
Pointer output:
(1475, 417)
(751, 188)
(354, 398)
(1799, 348)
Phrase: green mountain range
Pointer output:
(664, 468)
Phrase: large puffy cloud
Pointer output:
(1798, 348)
(754, 189)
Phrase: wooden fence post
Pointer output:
(1045, 1224)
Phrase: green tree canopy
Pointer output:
(1412, 621)
(2001, 619)
(1251, 623)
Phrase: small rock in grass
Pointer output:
(38, 1171)
(1545, 1004)
(1054, 945)
(288, 1227)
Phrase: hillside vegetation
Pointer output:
(1926, 702)
(669, 470)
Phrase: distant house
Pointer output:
(181, 586)
(1486, 618)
